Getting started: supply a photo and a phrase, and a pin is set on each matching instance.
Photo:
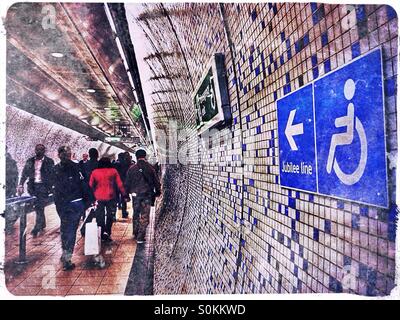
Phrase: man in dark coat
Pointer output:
(38, 171)
(142, 181)
(91, 164)
(71, 196)
(122, 166)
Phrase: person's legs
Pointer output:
(136, 215)
(110, 211)
(124, 208)
(144, 218)
(41, 195)
(100, 216)
(70, 216)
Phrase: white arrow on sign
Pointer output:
(293, 130)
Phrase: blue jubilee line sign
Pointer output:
(332, 134)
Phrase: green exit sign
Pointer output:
(113, 139)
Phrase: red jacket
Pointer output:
(104, 183)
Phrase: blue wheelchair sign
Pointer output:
(332, 134)
(350, 132)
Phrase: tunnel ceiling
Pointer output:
(171, 77)
(68, 68)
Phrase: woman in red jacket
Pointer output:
(104, 181)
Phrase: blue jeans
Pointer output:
(70, 215)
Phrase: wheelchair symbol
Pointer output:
(346, 138)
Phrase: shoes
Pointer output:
(140, 241)
(68, 265)
(106, 238)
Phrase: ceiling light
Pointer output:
(91, 90)
(57, 55)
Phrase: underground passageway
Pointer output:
(271, 126)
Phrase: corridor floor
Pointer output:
(43, 274)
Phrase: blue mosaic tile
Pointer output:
(293, 224)
(287, 77)
(391, 13)
(315, 234)
(282, 36)
(289, 54)
(324, 38)
(392, 217)
(288, 44)
(327, 227)
(314, 6)
(301, 251)
(263, 24)
(315, 72)
(254, 15)
(355, 50)
(300, 79)
(295, 236)
(286, 89)
(305, 265)
(282, 61)
(390, 86)
(327, 66)
(360, 13)
(340, 204)
(355, 221)
(364, 211)
(275, 9)
(292, 256)
(297, 215)
(311, 198)
(271, 58)
(335, 285)
(318, 14)
(257, 89)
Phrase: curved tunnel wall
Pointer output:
(25, 130)
(228, 226)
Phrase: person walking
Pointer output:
(91, 164)
(72, 196)
(38, 171)
(122, 166)
(103, 182)
(142, 181)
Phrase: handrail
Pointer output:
(22, 205)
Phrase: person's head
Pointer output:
(64, 153)
(121, 156)
(40, 149)
(128, 157)
(85, 156)
(140, 154)
(105, 162)
(93, 153)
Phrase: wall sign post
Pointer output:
(344, 154)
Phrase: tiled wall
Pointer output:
(25, 130)
(229, 227)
